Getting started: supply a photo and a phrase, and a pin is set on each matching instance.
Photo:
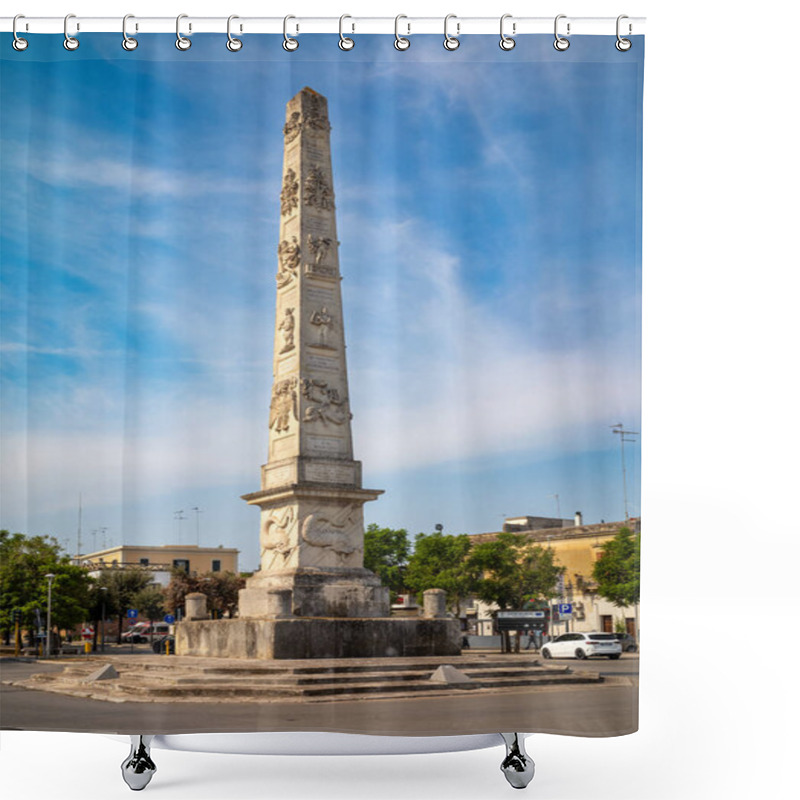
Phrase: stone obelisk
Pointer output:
(312, 528)
(312, 597)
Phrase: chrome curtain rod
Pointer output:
(514, 26)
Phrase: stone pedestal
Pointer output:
(321, 592)
(434, 603)
(298, 638)
(196, 606)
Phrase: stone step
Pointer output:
(372, 667)
(391, 677)
(201, 689)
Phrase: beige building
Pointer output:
(162, 560)
(577, 547)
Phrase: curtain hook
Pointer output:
(451, 42)
(181, 42)
(400, 42)
(289, 44)
(345, 43)
(507, 42)
(233, 44)
(622, 44)
(70, 42)
(19, 43)
(128, 42)
(560, 44)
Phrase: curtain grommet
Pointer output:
(290, 44)
(451, 43)
(345, 42)
(18, 43)
(70, 42)
(128, 42)
(181, 41)
(401, 43)
(233, 44)
(561, 43)
(507, 42)
(622, 44)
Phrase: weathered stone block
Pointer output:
(298, 638)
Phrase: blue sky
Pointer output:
(489, 216)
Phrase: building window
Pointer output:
(216, 565)
(144, 562)
(181, 563)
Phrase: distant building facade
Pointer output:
(577, 547)
(162, 560)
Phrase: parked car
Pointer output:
(628, 642)
(160, 645)
(145, 632)
(583, 645)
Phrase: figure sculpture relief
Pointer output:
(333, 532)
(325, 403)
(283, 406)
(319, 247)
(276, 536)
(317, 192)
(287, 329)
(314, 116)
(289, 192)
(288, 261)
(291, 130)
(323, 322)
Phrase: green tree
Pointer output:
(122, 587)
(511, 570)
(149, 602)
(616, 572)
(24, 562)
(221, 589)
(439, 561)
(386, 553)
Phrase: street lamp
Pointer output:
(49, 577)
(104, 590)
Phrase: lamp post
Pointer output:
(49, 577)
(104, 590)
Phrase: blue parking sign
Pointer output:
(132, 613)
(564, 608)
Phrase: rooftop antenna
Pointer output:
(622, 433)
(197, 513)
(80, 516)
(178, 515)
(558, 505)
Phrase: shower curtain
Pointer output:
(320, 400)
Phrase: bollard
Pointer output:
(166, 649)
(87, 647)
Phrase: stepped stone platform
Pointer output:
(192, 679)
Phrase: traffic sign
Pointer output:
(564, 609)
(132, 613)
(169, 619)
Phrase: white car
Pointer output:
(583, 645)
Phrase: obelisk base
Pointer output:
(299, 638)
(315, 592)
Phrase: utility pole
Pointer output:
(620, 430)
